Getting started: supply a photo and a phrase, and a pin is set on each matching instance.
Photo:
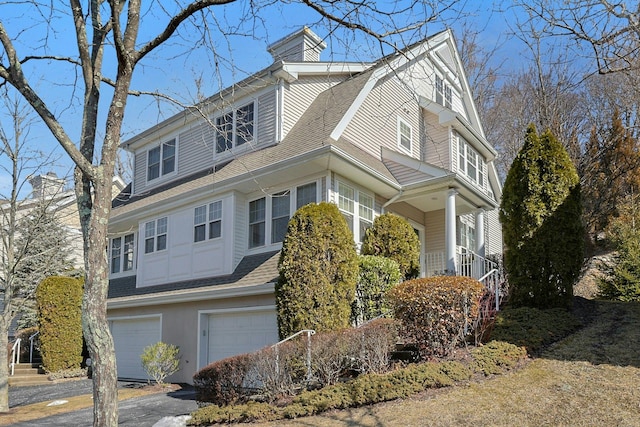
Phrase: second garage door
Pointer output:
(232, 333)
(130, 337)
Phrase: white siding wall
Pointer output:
(183, 259)
(375, 124)
(436, 142)
(494, 233)
(195, 142)
(434, 231)
(240, 228)
(300, 94)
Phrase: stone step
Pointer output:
(24, 380)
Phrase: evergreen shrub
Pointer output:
(393, 237)
(541, 216)
(225, 381)
(376, 276)
(436, 312)
(59, 303)
(318, 271)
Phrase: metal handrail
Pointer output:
(494, 272)
(31, 349)
(15, 355)
(309, 332)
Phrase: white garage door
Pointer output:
(239, 332)
(130, 337)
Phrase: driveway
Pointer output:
(159, 410)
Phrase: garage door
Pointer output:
(130, 337)
(239, 332)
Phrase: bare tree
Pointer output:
(112, 39)
(608, 32)
(24, 259)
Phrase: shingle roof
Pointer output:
(252, 270)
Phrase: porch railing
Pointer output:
(467, 264)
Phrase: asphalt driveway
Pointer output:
(159, 410)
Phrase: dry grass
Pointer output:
(591, 378)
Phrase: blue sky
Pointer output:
(175, 68)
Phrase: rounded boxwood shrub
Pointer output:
(318, 271)
(436, 312)
(59, 303)
(393, 237)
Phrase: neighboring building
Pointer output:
(196, 236)
(49, 190)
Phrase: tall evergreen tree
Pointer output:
(42, 250)
(610, 172)
(542, 226)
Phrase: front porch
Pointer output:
(466, 263)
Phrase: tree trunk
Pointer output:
(4, 367)
(94, 312)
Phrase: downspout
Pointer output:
(393, 199)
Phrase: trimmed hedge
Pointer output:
(391, 236)
(59, 302)
(436, 313)
(368, 389)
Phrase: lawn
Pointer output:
(590, 378)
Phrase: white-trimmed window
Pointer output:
(161, 160)
(466, 237)
(470, 162)
(269, 216)
(155, 235)
(444, 94)
(235, 128)
(357, 208)
(404, 134)
(122, 253)
(207, 221)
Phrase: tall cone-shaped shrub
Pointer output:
(318, 271)
(59, 301)
(541, 221)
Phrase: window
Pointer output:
(207, 224)
(466, 235)
(404, 134)
(444, 94)
(305, 194)
(155, 235)
(257, 216)
(351, 201)
(471, 163)
(161, 160)
(122, 256)
(269, 216)
(235, 128)
(280, 205)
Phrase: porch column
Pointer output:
(480, 245)
(450, 231)
(480, 232)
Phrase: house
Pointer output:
(195, 237)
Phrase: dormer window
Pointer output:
(161, 160)
(444, 95)
(235, 128)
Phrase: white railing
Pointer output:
(467, 264)
(493, 281)
(15, 354)
(309, 332)
(31, 338)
